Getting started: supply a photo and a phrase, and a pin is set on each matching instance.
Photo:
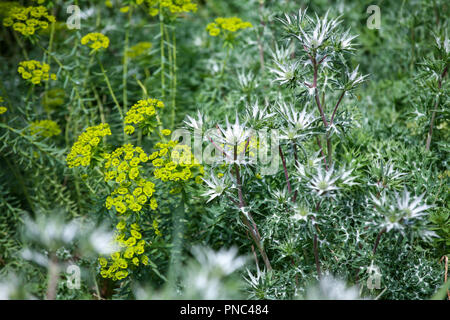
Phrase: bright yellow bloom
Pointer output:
(35, 71)
(81, 152)
(136, 234)
(171, 6)
(27, 20)
(224, 26)
(45, 128)
(143, 114)
(166, 132)
(102, 262)
(139, 49)
(121, 225)
(95, 40)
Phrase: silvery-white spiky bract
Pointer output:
(354, 78)
(321, 32)
(300, 120)
(399, 208)
(234, 134)
(345, 41)
(324, 181)
(216, 187)
(255, 113)
(285, 72)
(247, 80)
(195, 123)
(281, 54)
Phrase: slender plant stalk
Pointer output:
(125, 63)
(50, 45)
(321, 153)
(254, 233)
(161, 30)
(336, 107)
(294, 148)
(377, 241)
(224, 63)
(174, 85)
(53, 276)
(171, 74)
(22, 47)
(111, 91)
(260, 45)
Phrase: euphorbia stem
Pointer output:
(108, 83)
(174, 86)
(161, 30)
(125, 63)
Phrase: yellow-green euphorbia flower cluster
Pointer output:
(133, 246)
(175, 162)
(2, 108)
(139, 49)
(173, 6)
(28, 20)
(84, 148)
(143, 115)
(35, 72)
(95, 41)
(133, 191)
(225, 25)
(45, 128)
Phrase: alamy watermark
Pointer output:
(74, 20)
(74, 277)
(374, 20)
(374, 279)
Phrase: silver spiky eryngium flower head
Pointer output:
(247, 81)
(321, 32)
(399, 210)
(294, 23)
(325, 182)
(345, 41)
(285, 73)
(216, 186)
(257, 116)
(354, 79)
(195, 123)
(300, 120)
(281, 54)
(234, 134)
